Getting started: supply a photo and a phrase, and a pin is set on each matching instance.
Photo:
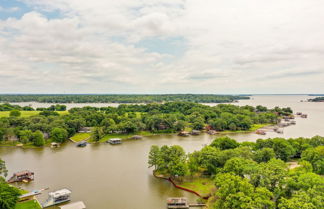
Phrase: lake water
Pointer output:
(117, 177)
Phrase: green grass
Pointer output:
(32, 204)
(28, 113)
(80, 137)
(203, 186)
(253, 128)
(124, 136)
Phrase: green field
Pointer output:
(80, 137)
(253, 128)
(28, 113)
(202, 186)
(32, 204)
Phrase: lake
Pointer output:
(117, 177)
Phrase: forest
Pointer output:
(251, 175)
(169, 117)
(119, 98)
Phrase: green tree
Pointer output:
(239, 166)
(3, 169)
(9, 195)
(25, 136)
(236, 192)
(59, 135)
(264, 155)
(38, 138)
(154, 157)
(316, 157)
(97, 134)
(224, 143)
(15, 113)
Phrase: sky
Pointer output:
(162, 46)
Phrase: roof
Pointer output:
(21, 173)
(177, 200)
(75, 205)
(115, 139)
(59, 193)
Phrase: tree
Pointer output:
(316, 157)
(224, 143)
(3, 169)
(9, 195)
(25, 136)
(15, 113)
(301, 200)
(97, 134)
(264, 155)
(239, 166)
(59, 135)
(236, 192)
(38, 139)
(154, 157)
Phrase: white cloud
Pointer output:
(232, 46)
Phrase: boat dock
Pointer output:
(181, 203)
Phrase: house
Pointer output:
(85, 130)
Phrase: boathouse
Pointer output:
(183, 133)
(75, 205)
(114, 141)
(57, 197)
(22, 176)
(177, 203)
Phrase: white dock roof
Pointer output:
(75, 205)
(60, 193)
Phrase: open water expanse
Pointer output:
(117, 177)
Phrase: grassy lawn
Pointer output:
(28, 113)
(80, 137)
(124, 136)
(253, 128)
(201, 185)
(32, 204)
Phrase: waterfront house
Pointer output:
(85, 130)
(22, 176)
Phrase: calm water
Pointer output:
(111, 177)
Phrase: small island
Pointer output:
(317, 99)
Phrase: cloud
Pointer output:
(162, 46)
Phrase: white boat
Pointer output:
(57, 197)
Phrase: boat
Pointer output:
(260, 132)
(136, 137)
(82, 144)
(195, 132)
(114, 141)
(183, 133)
(22, 176)
(57, 197)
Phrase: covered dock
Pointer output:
(75, 205)
(22, 176)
